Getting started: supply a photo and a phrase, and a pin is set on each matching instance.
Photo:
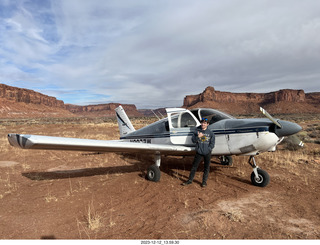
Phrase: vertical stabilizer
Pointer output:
(125, 126)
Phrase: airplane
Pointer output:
(172, 136)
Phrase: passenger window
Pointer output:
(212, 117)
(174, 120)
(183, 120)
(187, 120)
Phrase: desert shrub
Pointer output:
(315, 152)
(291, 143)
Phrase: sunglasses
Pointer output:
(204, 119)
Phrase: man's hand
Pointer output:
(200, 134)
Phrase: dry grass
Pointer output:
(91, 222)
(93, 218)
(234, 215)
(50, 198)
(301, 164)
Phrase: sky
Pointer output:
(154, 53)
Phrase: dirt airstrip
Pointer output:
(83, 195)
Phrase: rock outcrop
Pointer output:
(102, 110)
(282, 101)
(24, 103)
(28, 96)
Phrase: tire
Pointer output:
(153, 173)
(227, 161)
(263, 179)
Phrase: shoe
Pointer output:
(189, 182)
(204, 184)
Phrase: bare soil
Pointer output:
(80, 195)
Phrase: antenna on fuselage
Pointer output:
(161, 114)
(155, 114)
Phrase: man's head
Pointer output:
(204, 123)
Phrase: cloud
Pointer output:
(153, 54)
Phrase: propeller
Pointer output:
(285, 128)
(264, 112)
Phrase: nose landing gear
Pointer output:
(259, 177)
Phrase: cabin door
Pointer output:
(182, 124)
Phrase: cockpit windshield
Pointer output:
(212, 115)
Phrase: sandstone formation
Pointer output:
(25, 103)
(102, 110)
(282, 101)
(28, 96)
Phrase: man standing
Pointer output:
(204, 140)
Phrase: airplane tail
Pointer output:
(125, 126)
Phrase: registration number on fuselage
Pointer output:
(146, 141)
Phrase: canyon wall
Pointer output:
(102, 110)
(282, 101)
(23, 103)
(28, 96)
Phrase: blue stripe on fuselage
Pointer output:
(216, 132)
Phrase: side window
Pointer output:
(174, 120)
(212, 116)
(183, 120)
(187, 120)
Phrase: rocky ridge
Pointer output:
(282, 101)
(102, 110)
(24, 103)
(28, 96)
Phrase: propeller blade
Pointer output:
(264, 112)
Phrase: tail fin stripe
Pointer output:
(125, 126)
(123, 122)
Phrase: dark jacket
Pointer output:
(205, 144)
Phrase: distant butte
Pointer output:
(286, 101)
(24, 103)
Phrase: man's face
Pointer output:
(204, 125)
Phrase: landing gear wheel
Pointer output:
(263, 179)
(226, 160)
(153, 173)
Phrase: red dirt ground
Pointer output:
(77, 195)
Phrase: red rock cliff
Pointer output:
(19, 102)
(28, 96)
(210, 94)
(283, 101)
(102, 110)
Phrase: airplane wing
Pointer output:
(76, 144)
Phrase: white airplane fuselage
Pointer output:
(232, 143)
(232, 136)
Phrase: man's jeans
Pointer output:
(195, 165)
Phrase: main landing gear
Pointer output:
(226, 160)
(153, 172)
(259, 177)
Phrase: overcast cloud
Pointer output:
(153, 53)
